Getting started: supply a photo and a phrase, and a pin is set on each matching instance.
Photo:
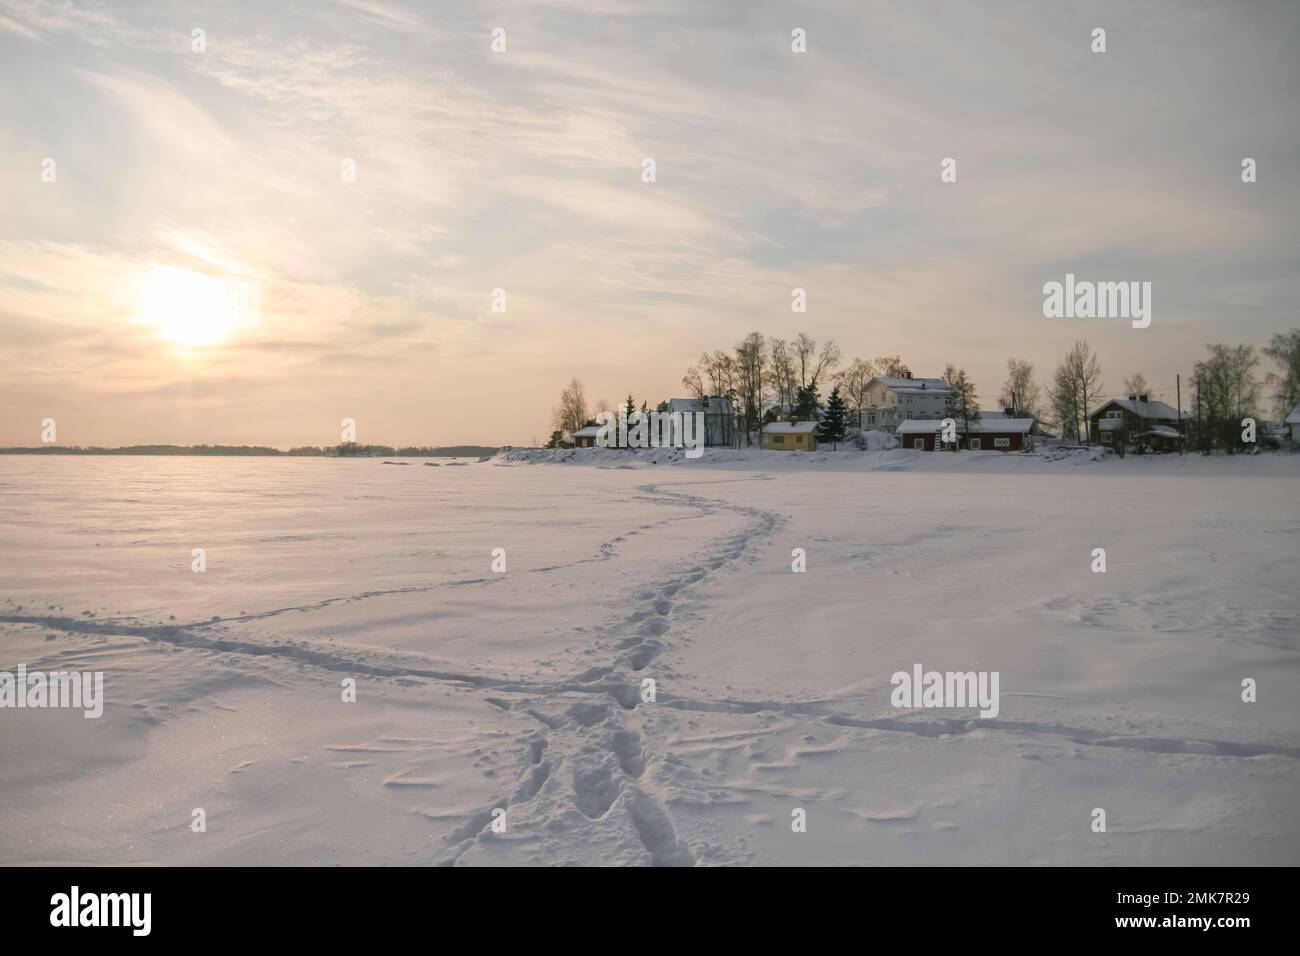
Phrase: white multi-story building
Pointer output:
(890, 401)
(719, 417)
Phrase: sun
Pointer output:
(194, 309)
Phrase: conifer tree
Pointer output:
(833, 426)
(806, 402)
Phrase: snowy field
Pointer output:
(478, 690)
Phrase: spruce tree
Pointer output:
(806, 402)
(833, 426)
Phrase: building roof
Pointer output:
(1293, 418)
(1141, 409)
(1000, 424)
(589, 432)
(926, 385)
(997, 426)
(1164, 431)
(789, 428)
(914, 427)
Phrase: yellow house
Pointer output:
(790, 436)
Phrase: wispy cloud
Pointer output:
(521, 170)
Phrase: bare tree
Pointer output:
(719, 370)
(693, 382)
(1086, 371)
(751, 356)
(1136, 384)
(1075, 386)
(1226, 392)
(1020, 392)
(571, 414)
(827, 360)
(891, 366)
(805, 351)
(782, 373)
(1284, 349)
(1063, 397)
(812, 363)
(853, 381)
(961, 403)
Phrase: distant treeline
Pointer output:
(345, 450)
(353, 450)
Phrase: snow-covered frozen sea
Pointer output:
(480, 690)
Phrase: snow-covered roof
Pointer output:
(789, 428)
(996, 425)
(914, 384)
(1003, 424)
(1164, 431)
(1293, 418)
(589, 432)
(1142, 409)
(914, 427)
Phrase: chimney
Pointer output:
(908, 374)
(1142, 398)
(1132, 398)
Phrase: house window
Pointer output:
(1105, 437)
(974, 444)
(1001, 442)
(778, 439)
(918, 444)
(1115, 414)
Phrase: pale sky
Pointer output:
(180, 175)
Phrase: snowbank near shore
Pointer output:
(888, 459)
(1047, 459)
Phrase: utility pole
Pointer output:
(1182, 442)
(1200, 434)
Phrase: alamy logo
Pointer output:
(103, 909)
(55, 689)
(652, 430)
(947, 689)
(1084, 299)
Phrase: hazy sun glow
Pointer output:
(193, 309)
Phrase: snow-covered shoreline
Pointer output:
(847, 456)
(905, 459)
